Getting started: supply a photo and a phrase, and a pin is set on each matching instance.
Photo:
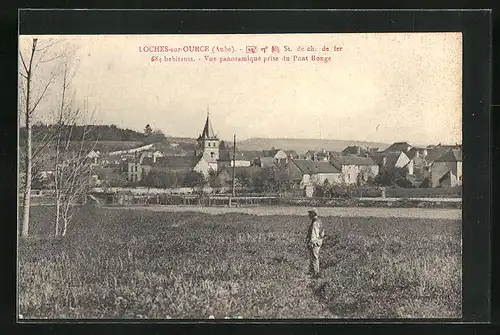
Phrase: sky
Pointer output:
(383, 87)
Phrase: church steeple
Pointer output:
(208, 130)
(208, 143)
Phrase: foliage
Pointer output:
(213, 180)
(343, 190)
(244, 178)
(116, 179)
(402, 182)
(426, 183)
(148, 130)
(138, 264)
(388, 177)
(97, 133)
(162, 179)
(194, 179)
(365, 177)
(166, 179)
(155, 136)
(273, 180)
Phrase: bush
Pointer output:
(426, 183)
(401, 182)
(346, 191)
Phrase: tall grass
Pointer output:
(139, 264)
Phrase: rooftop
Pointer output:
(353, 160)
(313, 167)
(452, 155)
(208, 130)
(398, 146)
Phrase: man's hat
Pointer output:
(313, 210)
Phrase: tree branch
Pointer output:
(23, 62)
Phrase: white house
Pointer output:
(446, 171)
(394, 160)
(94, 156)
(228, 158)
(309, 173)
(352, 167)
(280, 156)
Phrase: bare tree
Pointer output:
(73, 169)
(32, 92)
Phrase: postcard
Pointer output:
(256, 176)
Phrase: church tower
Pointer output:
(208, 144)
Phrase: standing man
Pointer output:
(314, 241)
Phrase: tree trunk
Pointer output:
(27, 188)
(65, 227)
(58, 216)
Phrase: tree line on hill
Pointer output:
(96, 133)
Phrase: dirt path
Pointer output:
(422, 213)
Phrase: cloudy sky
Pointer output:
(378, 87)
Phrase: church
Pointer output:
(211, 149)
(208, 145)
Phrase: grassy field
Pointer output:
(428, 192)
(140, 264)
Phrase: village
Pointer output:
(193, 190)
(213, 163)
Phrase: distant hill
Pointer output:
(302, 145)
(103, 133)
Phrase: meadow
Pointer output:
(126, 263)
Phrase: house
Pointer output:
(309, 155)
(134, 169)
(419, 157)
(390, 161)
(320, 155)
(278, 154)
(264, 162)
(240, 158)
(444, 146)
(398, 147)
(138, 167)
(355, 167)
(155, 154)
(355, 150)
(179, 164)
(309, 172)
(424, 157)
(291, 154)
(94, 156)
(44, 172)
(109, 176)
(446, 171)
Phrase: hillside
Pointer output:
(180, 140)
(302, 145)
(102, 133)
